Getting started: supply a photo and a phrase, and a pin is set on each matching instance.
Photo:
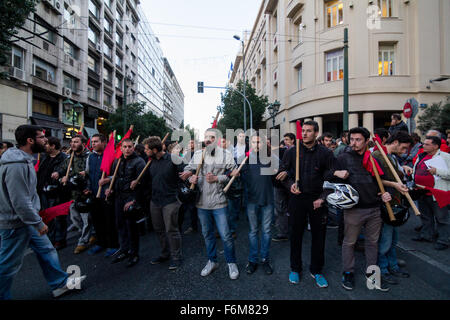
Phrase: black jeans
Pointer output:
(128, 228)
(190, 209)
(104, 221)
(300, 211)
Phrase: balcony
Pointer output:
(293, 7)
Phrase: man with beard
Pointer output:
(77, 171)
(212, 203)
(102, 212)
(126, 202)
(164, 205)
(50, 192)
(20, 223)
(307, 200)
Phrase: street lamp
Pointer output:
(273, 110)
(243, 75)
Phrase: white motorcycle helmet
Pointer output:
(343, 197)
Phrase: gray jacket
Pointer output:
(19, 201)
(211, 194)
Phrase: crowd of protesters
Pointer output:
(160, 184)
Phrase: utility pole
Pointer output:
(345, 115)
(125, 104)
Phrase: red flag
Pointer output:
(367, 164)
(247, 154)
(377, 138)
(126, 136)
(299, 131)
(36, 166)
(53, 212)
(442, 197)
(214, 125)
(108, 156)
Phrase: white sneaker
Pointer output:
(234, 272)
(72, 283)
(210, 267)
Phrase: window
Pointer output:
(16, 58)
(93, 64)
(107, 50)
(93, 35)
(335, 65)
(107, 25)
(299, 71)
(133, 58)
(385, 8)
(119, 16)
(71, 82)
(43, 70)
(386, 60)
(301, 27)
(108, 3)
(107, 74)
(119, 61)
(41, 27)
(335, 14)
(92, 93)
(93, 9)
(70, 50)
(119, 83)
(119, 39)
(107, 99)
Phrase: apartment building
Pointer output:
(294, 54)
(173, 98)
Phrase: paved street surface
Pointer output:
(430, 273)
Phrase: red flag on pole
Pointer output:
(367, 164)
(108, 156)
(214, 125)
(377, 138)
(88, 144)
(36, 166)
(126, 136)
(299, 131)
(442, 197)
(53, 212)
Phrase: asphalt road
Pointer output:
(430, 274)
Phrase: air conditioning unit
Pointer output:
(67, 92)
(17, 73)
(68, 59)
(98, 47)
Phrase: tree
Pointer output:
(233, 110)
(13, 14)
(436, 116)
(145, 123)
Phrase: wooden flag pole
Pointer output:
(71, 157)
(297, 165)
(234, 177)
(397, 178)
(380, 185)
(149, 162)
(137, 141)
(200, 165)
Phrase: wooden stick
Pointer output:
(297, 165)
(114, 176)
(380, 185)
(234, 177)
(200, 165)
(137, 141)
(149, 161)
(397, 178)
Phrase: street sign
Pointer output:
(407, 110)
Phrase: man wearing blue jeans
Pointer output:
(20, 223)
(212, 203)
(260, 203)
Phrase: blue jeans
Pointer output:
(14, 242)
(234, 207)
(220, 216)
(259, 215)
(387, 257)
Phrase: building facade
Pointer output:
(173, 98)
(294, 54)
(91, 52)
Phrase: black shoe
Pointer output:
(120, 257)
(399, 273)
(174, 264)
(421, 239)
(440, 246)
(348, 280)
(159, 260)
(279, 238)
(382, 287)
(388, 278)
(251, 267)
(268, 269)
(132, 261)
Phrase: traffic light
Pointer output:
(119, 137)
(200, 87)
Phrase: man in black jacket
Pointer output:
(349, 168)
(307, 201)
(397, 124)
(49, 191)
(126, 200)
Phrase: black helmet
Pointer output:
(78, 182)
(186, 194)
(401, 214)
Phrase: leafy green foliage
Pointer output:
(436, 116)
(233, 109)
(145, 123)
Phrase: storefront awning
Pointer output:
(90, 131)
(48, 123)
